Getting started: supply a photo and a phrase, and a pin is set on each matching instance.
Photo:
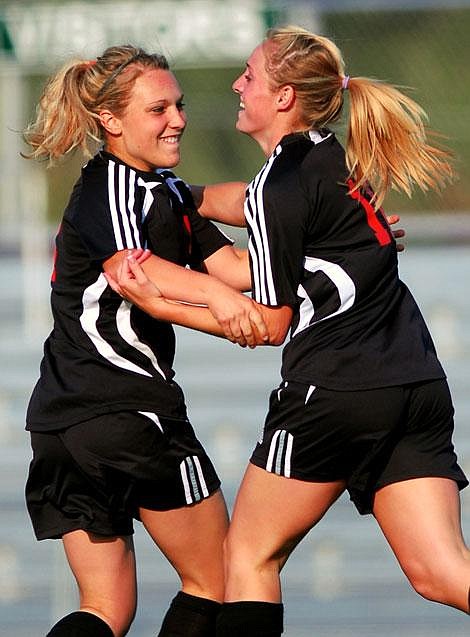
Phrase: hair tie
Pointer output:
(345, 82)
(89, 63)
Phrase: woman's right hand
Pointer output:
(239, 317)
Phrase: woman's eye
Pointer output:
(180, 106)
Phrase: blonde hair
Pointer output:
(67, 114)
(386, 143)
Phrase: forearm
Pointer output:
(221, 202)
(182, 284)
(201, 319)
(191, 316)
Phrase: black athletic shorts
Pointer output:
(367, 438)
(95, 475)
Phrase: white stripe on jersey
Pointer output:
(153, 417)
(148, 199)
(123, 210)
(88, 320)
(264, 290)
(123, 215)
(123, 322)
(113, 207)
(343, 283)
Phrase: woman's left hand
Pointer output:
(133, 284)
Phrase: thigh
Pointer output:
(104, 568)
(191, 537)
(273, 513)
(420, 519)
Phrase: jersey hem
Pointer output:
(345, 386)
(40, 426)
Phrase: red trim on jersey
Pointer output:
(187, 225)
(381, 233)
(54, 257)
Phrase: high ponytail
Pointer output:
(387, 144)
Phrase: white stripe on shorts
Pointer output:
(192, 490)
(283, 442)
(153, 417)
(310, 391)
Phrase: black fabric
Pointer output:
(96, 475)
(80, 624)
(331, 257)
(190, 616)
(367, 438)
(104, 354)
(250, 619)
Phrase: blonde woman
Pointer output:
(109, 429)
(363, 405)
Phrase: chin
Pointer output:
(171, 162)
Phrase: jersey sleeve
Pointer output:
(277, 214)
(108, 214)
(206, 237)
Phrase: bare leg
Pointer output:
(105, 572)
(421, 520)
(271, 515)
(192, 540)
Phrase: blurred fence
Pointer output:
(423, 45)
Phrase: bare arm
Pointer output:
(133, 284)
(230, 265)
(237, 315)
(221, 202)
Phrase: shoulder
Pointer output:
(177, 186)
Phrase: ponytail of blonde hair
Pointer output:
(67, 116)
(387, 141)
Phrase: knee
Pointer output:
(441, 581)
(243, 555)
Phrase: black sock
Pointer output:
(190, 616)
(80, 624)
(250, 619)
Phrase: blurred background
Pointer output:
(343, 579)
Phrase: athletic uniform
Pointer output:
(108, 422)
(363, 396)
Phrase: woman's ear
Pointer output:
(110, 122)
(285, 97)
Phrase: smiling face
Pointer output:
(267, 112)
(257, 98)
(148, 134)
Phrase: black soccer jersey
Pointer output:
(104, 354)
(331, 257)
